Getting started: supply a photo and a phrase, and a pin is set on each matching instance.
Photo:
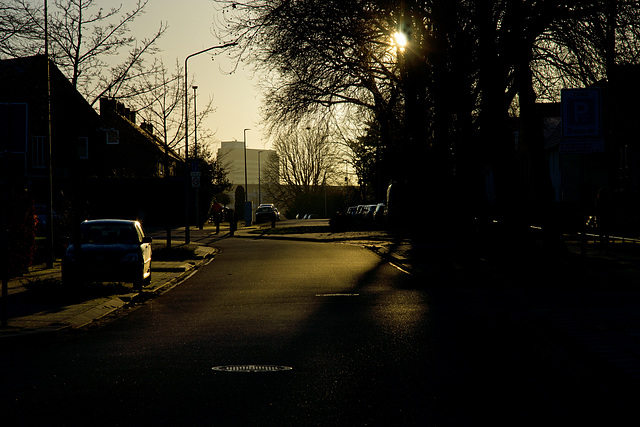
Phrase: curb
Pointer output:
(103, 307)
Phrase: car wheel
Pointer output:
(141, 281)
(138, 283)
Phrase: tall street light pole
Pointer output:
(259, 178)
(195, 153)
(49, 227)
(248, 216)
(195, 122)
(246, 189)
(187, 233)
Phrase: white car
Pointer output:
(110, 250)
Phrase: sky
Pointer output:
(236, 98)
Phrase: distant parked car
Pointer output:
(380, 212)
(352, 211)
(368, 212)
(265, 212)
(110, 250)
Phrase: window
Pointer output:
(38, 150)
(113, 136)
(83, 147)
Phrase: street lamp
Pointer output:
(195, 123)
(195, 152)
(259, 178)
(49, 227)
(246, 190)
(247, 209)
(187, 234)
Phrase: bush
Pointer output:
(21, 233)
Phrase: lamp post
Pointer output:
(195, 153)
(49, 227)
(259, 178)
(187, 234)
(246, 190)
(247, 209)
(195, 123)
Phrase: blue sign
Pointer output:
(581, 113)
(581, 121)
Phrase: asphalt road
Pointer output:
(346, 332)
(283, 333)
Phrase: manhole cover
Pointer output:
(337, 295)
(252, 368)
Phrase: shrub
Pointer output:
(21, 234)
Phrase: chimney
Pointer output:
(147, 127)
(107, 106)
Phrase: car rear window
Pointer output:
(109, 233)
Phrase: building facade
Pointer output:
(232, 155)
(101, 164)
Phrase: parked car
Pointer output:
(369, 210)
(265, 212)
(380, 213)
(110, 250)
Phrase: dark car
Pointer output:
(110, 250)
(266, 212)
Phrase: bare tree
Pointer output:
(20, 25)
(82, 35)
(159, 98)
(447, 96)
(339, 55)
(305, 161)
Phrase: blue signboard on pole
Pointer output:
(581, 121)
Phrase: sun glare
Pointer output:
(400, 39)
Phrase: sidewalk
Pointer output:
(38, 303)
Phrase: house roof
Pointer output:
(111, 109)
(26, 77)
(23, 80)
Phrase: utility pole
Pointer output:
(246, 190)
(187, 175)
(195, 154)
(49, 228)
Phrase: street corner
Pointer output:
(205, 252)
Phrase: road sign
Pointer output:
(195, 179)
(581, 121)
(581, 113)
